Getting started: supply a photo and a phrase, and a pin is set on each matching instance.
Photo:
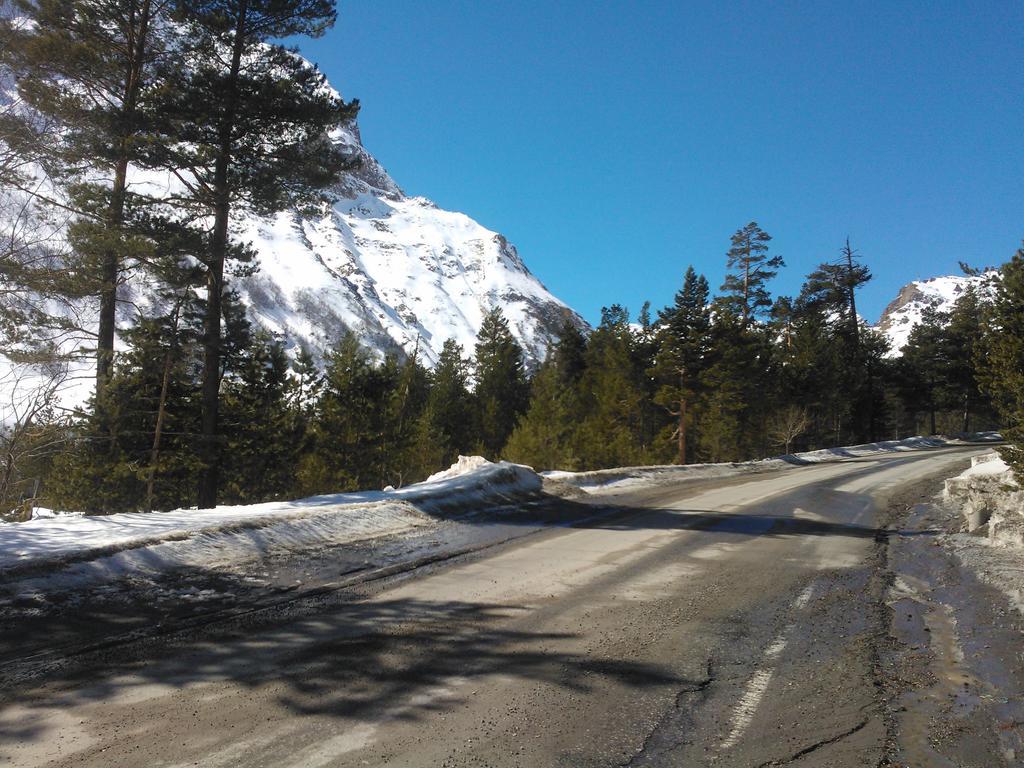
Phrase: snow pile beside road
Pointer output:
(992, 502)
(86, 549)
(605, 480)
(869, 449)
(463, 466)
(988, 493)
(601, 480)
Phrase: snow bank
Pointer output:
(463, 466)
(601, 480)
(105, 547)
(870, 449)
(988, 493)
(623, 477)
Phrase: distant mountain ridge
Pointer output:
(904, 312)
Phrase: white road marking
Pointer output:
(757, 686)
(804, 597)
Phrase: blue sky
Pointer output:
(616, 143)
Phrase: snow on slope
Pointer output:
(905, 311)
(397, 271)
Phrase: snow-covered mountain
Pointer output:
(396, 270)
(904, 312)
(399, 272)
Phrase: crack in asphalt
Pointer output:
(816, 746)
(645, 751)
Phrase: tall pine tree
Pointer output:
(833, 286)
(744, 291)
(88, 67)
(502, 392)
(683, 348)
(251, 122)
(613, 430)
(450, 405)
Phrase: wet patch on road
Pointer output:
(951, 667)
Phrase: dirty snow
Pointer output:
(991, 501)
(613, 480)
(463, 466)
(987, 464)
(86, 549)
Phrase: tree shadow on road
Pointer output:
(347, 660)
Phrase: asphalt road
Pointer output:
(747, 622)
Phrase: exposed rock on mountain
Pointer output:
(904, 312)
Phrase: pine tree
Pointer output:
(126, 468)
(347, 425)
(683, 348)
(569, 353)
(32, 270)
(406, 400)
(547, 436)
(926, 365)
(251, 121)
(1003, 359)
(809, 370)
(833, 287)
(502, 392)
(308, 382)
(730, 380)
(543, 439)
(449, 411)
(964, 334)
(87, 67)
(613, 431)
(263, 431)
(427, 452)
(744, 291)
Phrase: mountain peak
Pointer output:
(904, 312)
(368, 176)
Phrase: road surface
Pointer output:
(784, 618)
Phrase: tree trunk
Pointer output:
(209, 478)
(681, 453)
(111, 259)
(110, 268)
(5, 481)
(746, 286)
(154, 454)
(854, 325)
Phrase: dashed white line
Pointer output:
(804, 597)
(757, 686)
